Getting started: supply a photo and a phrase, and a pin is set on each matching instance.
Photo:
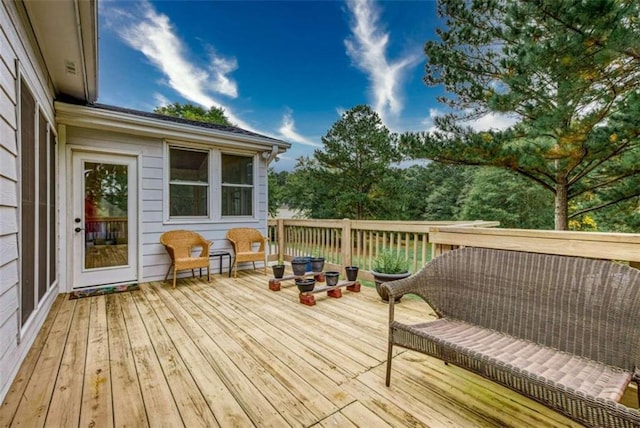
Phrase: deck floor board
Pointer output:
(233, 353)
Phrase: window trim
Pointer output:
(51, 243)
(215, 184)
(254, 186)
(188, 183)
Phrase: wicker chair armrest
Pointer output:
(399, 287)
(263, 243)
(206, 245)
(171, 250)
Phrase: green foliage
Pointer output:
(503, 196)
(277, 190)
(391, 262)
(341, 180)
(190, 111)
(567, 71)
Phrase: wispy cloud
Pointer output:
(492, 121)
(152, 33)
(289, 133)
(367, 47)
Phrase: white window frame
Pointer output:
(215, 184)
(188, 183)
(251, 186)
(51, 283)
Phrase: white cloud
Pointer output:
(153, 34)
(288, 131)
(492, 121)
(367, 47)
(161, 100)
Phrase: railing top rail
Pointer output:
(384, 225)
(611, 246)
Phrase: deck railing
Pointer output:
(357, 242)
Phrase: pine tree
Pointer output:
(567, 71)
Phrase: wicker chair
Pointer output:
(180, 244)
(561, 330)
(249, 246)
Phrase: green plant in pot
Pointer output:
(278, 269)
(389, 266)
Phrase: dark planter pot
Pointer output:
(331, 277)
(317, 264)
(305, 284)
(386, 277)
(299, 266)
(352, 272)
(278, 271)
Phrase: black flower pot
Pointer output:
(331, 277)
(352, 272)
(317, 264)
(381, 278)
(299, 266)
(278, 271)
(305, 284)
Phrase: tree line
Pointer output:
(567, 73)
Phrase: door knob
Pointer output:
(78, 229)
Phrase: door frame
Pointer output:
(67, 216)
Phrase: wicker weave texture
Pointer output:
(562, 330)
(180, 245)
(249, 245)
(582, 306)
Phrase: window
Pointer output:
(237, 185)
(188, 183)
(205, 184)
(37, 204)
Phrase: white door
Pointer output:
(104, 225)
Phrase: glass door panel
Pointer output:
(106, 215)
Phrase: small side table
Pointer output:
(220, 254)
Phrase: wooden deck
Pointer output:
(232, 353)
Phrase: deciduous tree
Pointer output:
(194, 112)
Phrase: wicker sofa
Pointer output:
(564, 331)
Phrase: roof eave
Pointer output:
(87, 117)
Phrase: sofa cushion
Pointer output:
(543, 363)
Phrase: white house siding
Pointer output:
(155, 261)
(15, 45)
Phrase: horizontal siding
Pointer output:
(8, 305)
(9, 275)
(154, 258)
(8, 192)
(8, 137)
(8, 220)
(14, 46)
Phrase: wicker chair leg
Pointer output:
(167, 275)
(174, 278)
(254, 265)
(389, 355)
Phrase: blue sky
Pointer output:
(286, 69)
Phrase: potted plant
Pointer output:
(389, 266)
(278, 269)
